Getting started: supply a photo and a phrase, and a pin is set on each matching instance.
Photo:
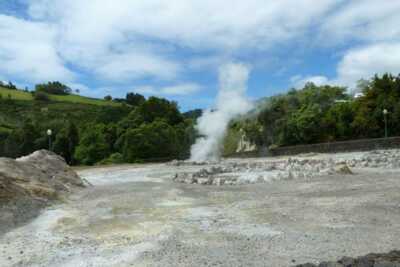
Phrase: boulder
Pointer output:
(343, 169)
(32, 182)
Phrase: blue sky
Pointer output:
(175, 48)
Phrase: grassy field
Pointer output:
(15, 94)
(26, 96)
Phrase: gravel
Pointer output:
(140, 217)
(250, 171)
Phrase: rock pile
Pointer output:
(257, 172)
(29, 183)
(244, 172)
(391, 259)
(377, 159)
(177, 163)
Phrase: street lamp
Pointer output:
(49, 133)
(385, 112)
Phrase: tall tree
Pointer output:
(150, 141)
(134, 99)
(66, 141)
(93, 146)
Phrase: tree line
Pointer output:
(317, 114)
(143, 129)
(140, 129)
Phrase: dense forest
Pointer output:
(317, 114)
(134, 129)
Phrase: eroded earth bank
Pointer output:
(139, 216)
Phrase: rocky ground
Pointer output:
(138, 216)
(391, 259)
(238, 172)
(31, 183)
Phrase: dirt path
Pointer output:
(135, 216)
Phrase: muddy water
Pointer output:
(136, 216)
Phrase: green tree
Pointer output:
(41, 96)
(379, 93)
(21, 141)
(93, 146)
(134, 99)
(303, 127)
(54, 88)
(337, 122)
(150, 141)
(159, 108)
(66, 142)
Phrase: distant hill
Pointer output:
(18, 106)
(92, 131)
(27, 96)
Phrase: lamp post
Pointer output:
(385, 112)
(49, 133)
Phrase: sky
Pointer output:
(175, 48)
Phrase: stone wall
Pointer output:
(345, 146)
(333, 147)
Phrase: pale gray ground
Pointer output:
(136, 216)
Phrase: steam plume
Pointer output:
(231, 102)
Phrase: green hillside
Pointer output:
(92, 131)
(322, 114)
(15, 94)
(27, 96)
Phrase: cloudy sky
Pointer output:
(174, 48)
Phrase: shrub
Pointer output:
(115, 158)
(54, 88)
(41, 96)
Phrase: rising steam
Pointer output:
(231, 102)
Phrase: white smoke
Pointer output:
(231, 102)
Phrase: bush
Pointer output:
(115, 158)
(93, 146)
(41, 96)
(151, 141)
(134, 99)
(54, 88)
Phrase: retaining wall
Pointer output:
(332, 147)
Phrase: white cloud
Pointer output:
(130, 66)
(173, 90)
(184, 22)
(367, 20)
(181, 89)
(96, 35)
(369, 60)
(27, 51)
(359, 63)
(122, 41)
(374, 24)
(90, 32)
(146, 90)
